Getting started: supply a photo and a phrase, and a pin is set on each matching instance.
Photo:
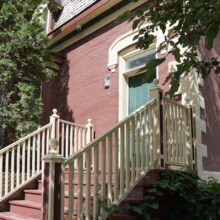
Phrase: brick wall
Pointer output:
(81, 93)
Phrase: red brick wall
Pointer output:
(81, 92)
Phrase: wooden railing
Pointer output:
(177, 133)
(122, 156)
(156, 135)
(21, 161)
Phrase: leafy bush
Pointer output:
(185, 194)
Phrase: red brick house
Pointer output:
(98, 78)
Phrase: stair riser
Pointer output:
(37, 198)
(66, 187)
(26, 211)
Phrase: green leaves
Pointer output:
(189, 22)
(23, 55)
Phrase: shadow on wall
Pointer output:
(54, 94)
(62, 93)
(211, 93)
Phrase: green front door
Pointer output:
(139, 91)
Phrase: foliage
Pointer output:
(23, 57)
(189, 196)
(184, 23)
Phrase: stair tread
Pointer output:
(26, 203)
(15, 216)
(38, 192)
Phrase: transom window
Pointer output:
(139, 60)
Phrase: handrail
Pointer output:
(72, 123)
(25, 138)
(21, 161)
(126, 119)
(174, 102)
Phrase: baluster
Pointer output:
(83, 137)
(133, 151)
(172, 135)
(80, 188)
(127, 155)
(137, 146)
(96, 183)
(62, 140)
(176, 135)
(168, 132)
(103, 173)
(43, 143)
(181, 136)
(116, 165)
(1, 173)
(33, 155)
(79, 138)
(38, 152)
(18, 166)
(28, 158)
(6, 171)
(23, 162)
(142, 140)
(12, 168)
(147, 142)
(189, 138)
(109, 169)
(122, 161)
(184, 136)
(83, 144)
(71, 191)
(67, 140)
(75, 144)
(152, 139)
(88, 183)
(71, 139)
(48, 137)
(165, 129)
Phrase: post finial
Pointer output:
(53, 144)
(54, 111)
(89, 120)
(156, 82)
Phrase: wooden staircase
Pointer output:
(80, 173)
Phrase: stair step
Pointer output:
(26, 207)
(14, 216)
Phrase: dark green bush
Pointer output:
(183, 196)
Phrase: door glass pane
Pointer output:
(139, 91)
(139, 60)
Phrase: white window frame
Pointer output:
(124, 77)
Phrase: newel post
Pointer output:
(90, 131)
(157, 93)
(53, 184)
(54, 119)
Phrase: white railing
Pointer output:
(20, 162)
(154, 136)
(177, 133)
(72, 137)
(122, 156)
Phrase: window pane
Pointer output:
(139, 60)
